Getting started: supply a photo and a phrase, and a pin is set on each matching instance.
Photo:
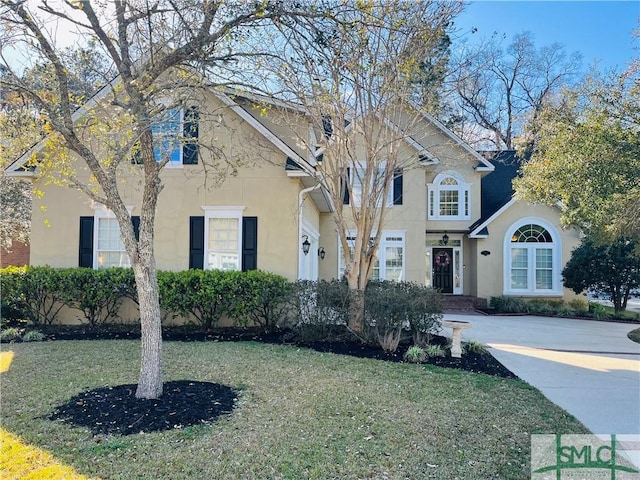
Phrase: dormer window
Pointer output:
(448, 198)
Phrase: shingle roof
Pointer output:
(496, 187)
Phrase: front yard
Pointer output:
(300, 414)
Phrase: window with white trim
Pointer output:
(223, 238)
(108, 249)
(448, 198)
(532, 260)
(390, 264)
(356, 183)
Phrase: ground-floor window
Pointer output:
(532, 258)
(390, 264)
(223, 234)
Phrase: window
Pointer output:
(100, 243)
(175, 136)
(390, 262)
(223, 234)
(357, 176)
(532, 256)
(166, 137)
(448, 198)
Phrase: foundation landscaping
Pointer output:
(286, 392)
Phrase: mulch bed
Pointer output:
(116, 411)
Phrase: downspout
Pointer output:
(301, 195)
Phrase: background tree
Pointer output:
(353, 80)
(587, 157)
(613, 269)
(154, 49)
(22, 126)
(495, 89)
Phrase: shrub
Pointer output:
(96, 293)
(541, 307)
(391, 307)
(415, 354)
(205, 294)
(10, 335)
(260, 298)
(506, 304)
(599, 312)
(33, 336)
(579, 305)
(473, 347)
(319, 302)
(37, 293)
(434, 351)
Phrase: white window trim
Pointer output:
(556, 248)
(357, 199)
(464, 197)
(381, 247)
(222, 212)
(101, 211)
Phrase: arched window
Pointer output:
(532, 258)
(448, 197)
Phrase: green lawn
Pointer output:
(301, 415)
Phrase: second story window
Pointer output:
(448, 198)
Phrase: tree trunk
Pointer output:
(150, 380)
(356, 310)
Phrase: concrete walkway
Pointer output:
(589, 368)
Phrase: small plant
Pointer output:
(578, 305)
(472, 346)
(434, 351)
(415, 354)
(10, 335)
(33, 336)
(506, 304)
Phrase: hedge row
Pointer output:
(37, 294)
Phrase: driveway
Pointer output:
(589, 368)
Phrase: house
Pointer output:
(452, 224)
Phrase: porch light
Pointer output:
(321, 253)
(445, 239)
(305, 245)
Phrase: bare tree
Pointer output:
(495, 90)
(156, 49)
(353, 80)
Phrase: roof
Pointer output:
(496, 187)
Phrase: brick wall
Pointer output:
(17, 255)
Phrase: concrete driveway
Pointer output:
(589, 368)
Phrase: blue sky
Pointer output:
(600, 30)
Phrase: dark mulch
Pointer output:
(116, 411)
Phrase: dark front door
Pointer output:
(443, 269)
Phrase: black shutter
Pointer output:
(196, 242)
(85, 256)
(327, 126)
(136, 156)
(249, 243)
(397, 187)
(136, 226)
(190, 134)
(345, 198)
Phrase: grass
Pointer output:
(301, 414)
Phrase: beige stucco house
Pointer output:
(452, 223)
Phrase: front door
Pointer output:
(443, 269)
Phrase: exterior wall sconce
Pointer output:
(321, 253)
(305, 244)
(445, 239)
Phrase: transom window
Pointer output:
(532, 260)
(390, 262)
(448, 198)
